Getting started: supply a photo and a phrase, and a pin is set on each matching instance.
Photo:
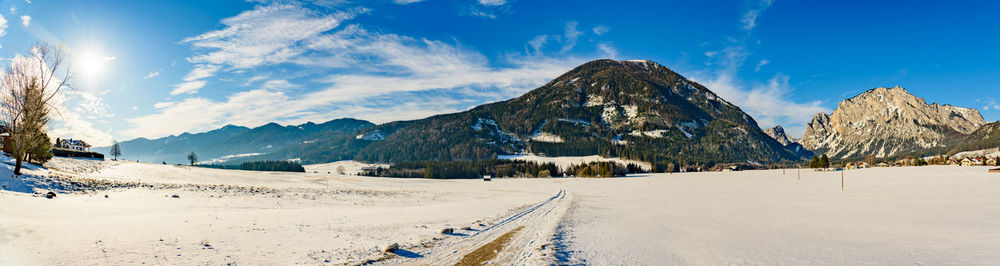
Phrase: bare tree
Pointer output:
(192, 157)
(27, 88)
(116, 150)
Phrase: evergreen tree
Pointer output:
(42, 150)
(824, 162)
(814, 163)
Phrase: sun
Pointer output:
(91, 65)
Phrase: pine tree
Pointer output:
(824, 162)
(814, 163)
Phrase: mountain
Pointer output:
(778, 134)
(231, 143)
(886, 122)
(636, 109)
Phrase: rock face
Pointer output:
(778, 133)
(886, 122)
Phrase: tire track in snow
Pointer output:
(531, 245)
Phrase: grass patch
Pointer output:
(489, 251)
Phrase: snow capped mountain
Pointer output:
(887, 122)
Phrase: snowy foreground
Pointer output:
(127, 213)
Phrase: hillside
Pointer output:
(886, 122)
(233, 143)
(633, 109)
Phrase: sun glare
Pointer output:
(90, 65)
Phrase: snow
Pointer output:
(547, 137)
(658, 133)
(912, 215)
(887, 216)
(374, 135)
(226, 158)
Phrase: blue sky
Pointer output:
(156, 68)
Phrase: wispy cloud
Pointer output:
(749, 19)
(406, 2)
(607, 51)
(762, 63)
(492, 2)
(190, 87)
(989, 104)
(265, 35)
(13, 10)
(151, 75)
(571, 36)
(769, 102)
(201, 72)
(26, 20)
(600, 30)
(3, 26)
(363, 67)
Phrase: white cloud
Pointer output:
(492, 2)
(537, 43)
(607, 51)
(749, 19)
(190, 87)
(601, 30)
(253, 79)
(135, 108)
(151, 75)
(201, 72)
(27, 1)
(13, 10)
(571, 35)
(277, 84)
(761, 64)
(406, 2)
(3, 26)
(25, 20)
(364, 66)
(265, 35)
(989, 104)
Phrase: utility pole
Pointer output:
(841, 180)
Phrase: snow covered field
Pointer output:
(925, 215)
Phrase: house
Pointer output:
(863, 165)
(73, 144)
(883, 164)
(991, 161)
(971, 162)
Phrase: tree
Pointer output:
(42, 150)
(814, 163)
(824, 162)
(341, 170)
(116, 150)
(27, 88)
(870, 159)
(192, 157)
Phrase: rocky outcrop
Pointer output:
(886, 122)
(778, 133)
